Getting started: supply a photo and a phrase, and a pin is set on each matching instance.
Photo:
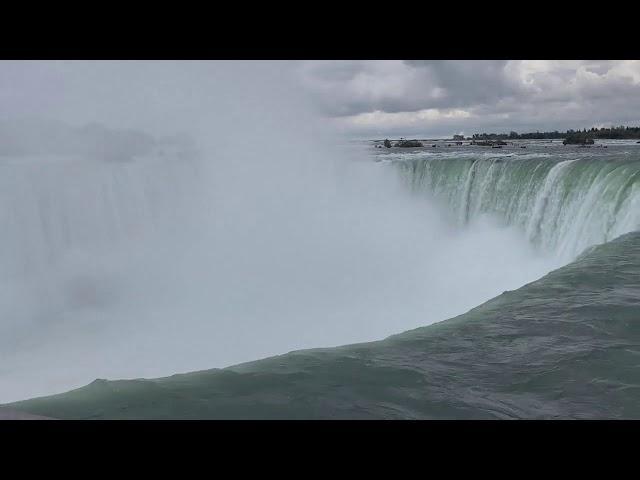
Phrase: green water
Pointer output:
(563, 199)
(564, 346)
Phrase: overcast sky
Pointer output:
(435, 98)
(362, 98)
(160, 97)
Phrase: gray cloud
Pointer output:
(436, 97)
(465, 83)
(362, 97)
(162, 97)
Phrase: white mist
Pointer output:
(272, 238)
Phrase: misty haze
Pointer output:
(236, 239)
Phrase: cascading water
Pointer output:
(52, 206)
(67, 222)
(159, 265)
(269, 239)
(564, 201)
(118, 261)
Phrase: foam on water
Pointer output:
(164, 264)
(265, 240)
(563, 201)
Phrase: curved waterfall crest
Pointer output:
(563, 205)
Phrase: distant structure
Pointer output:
(489, 143)
(578, 138)
(408, 143)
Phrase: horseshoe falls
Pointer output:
(545, 242)
(195, 240)
(166, 262)
(563, 201)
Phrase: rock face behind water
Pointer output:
(408, 144)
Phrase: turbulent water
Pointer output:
(166, 263)
(564, 198)
(564, 346)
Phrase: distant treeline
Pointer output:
(613, 132)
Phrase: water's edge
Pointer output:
(564, 346)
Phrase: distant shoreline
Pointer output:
(612, 133)
(466, 140)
